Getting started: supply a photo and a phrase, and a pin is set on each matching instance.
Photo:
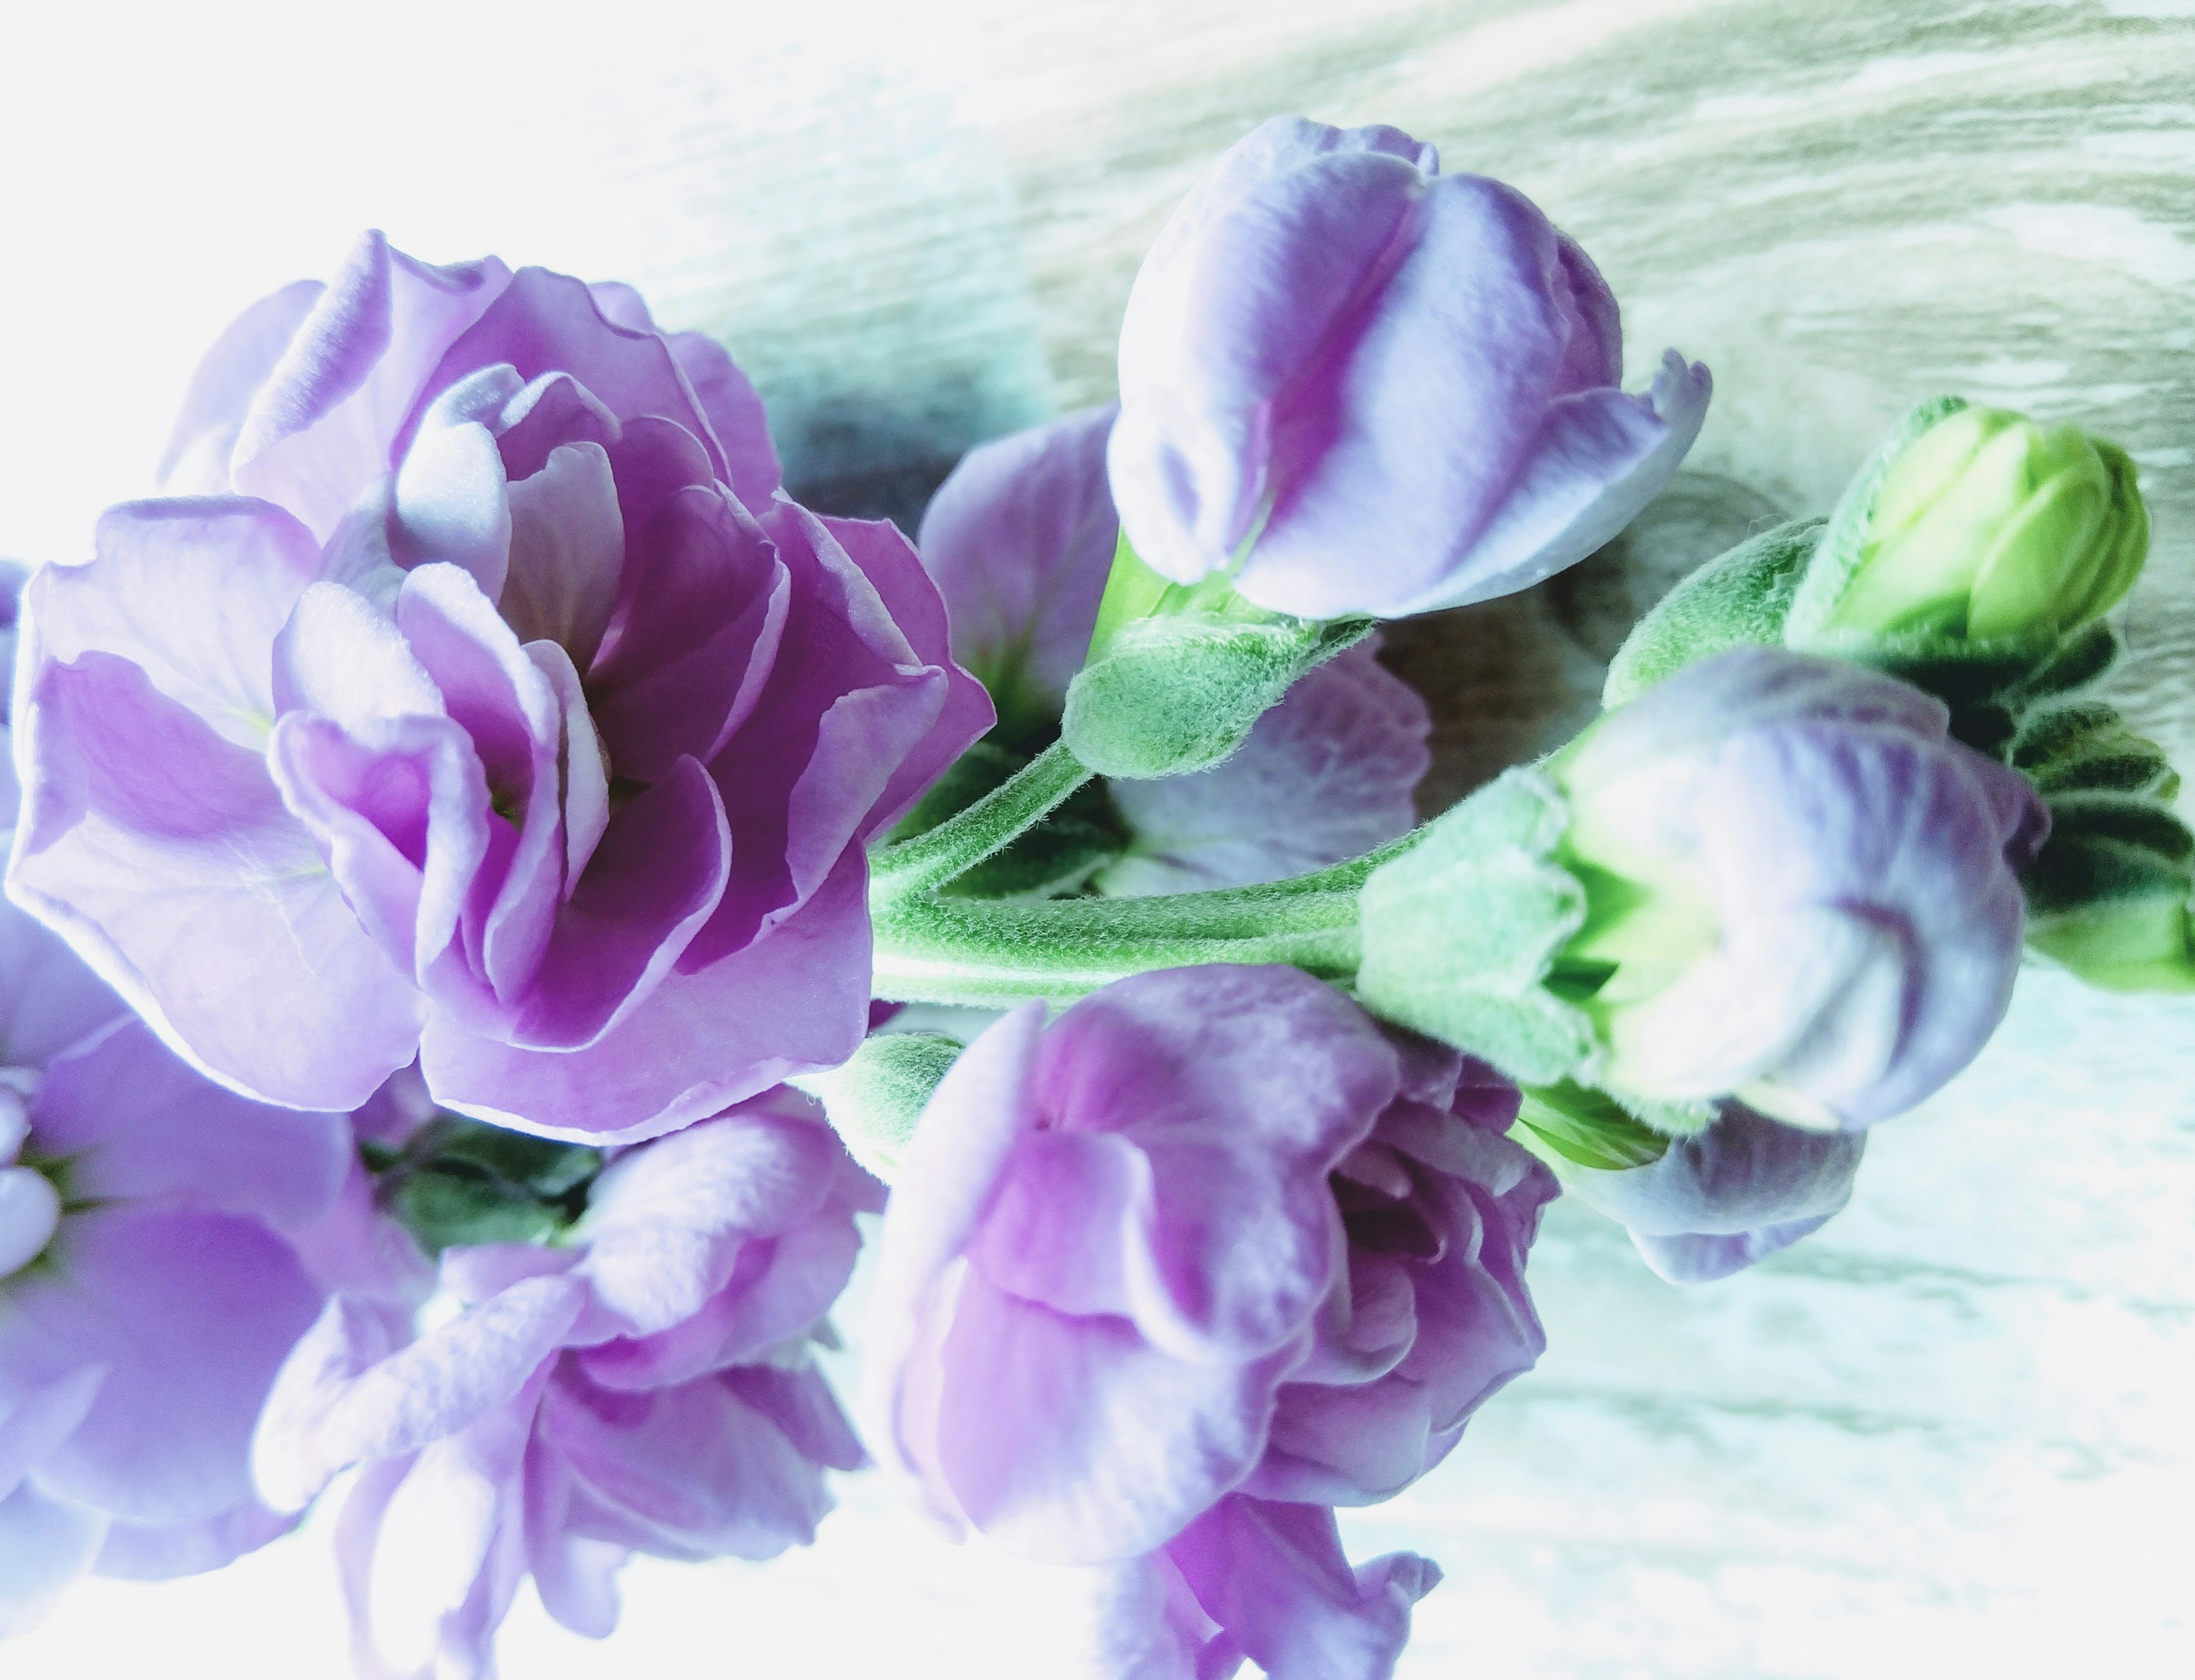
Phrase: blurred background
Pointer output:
(1949, 1435)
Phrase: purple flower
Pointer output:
(1800, 892)
(1210, 1241)
(151, 1283)
(1267, 1582)
(1020, 539)
(1396, 388)
(486, 702)
(1714, 1204)
(644, 1387)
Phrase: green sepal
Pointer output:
(1170, 695)
(2087, 748)
(1740, 599)
(1589, 1128)
(1836, 560)
(1986, 685)
(2109, 895)
(1463, 930)
(876, 1098)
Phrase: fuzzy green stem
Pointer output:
(915, 868)
(987, 952)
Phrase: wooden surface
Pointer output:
(1947, 1436)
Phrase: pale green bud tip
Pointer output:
(876, 1098)
(1990, 525)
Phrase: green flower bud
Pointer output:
(1987, 526)
(876, 1097)
(1177, 673)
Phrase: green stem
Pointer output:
(916, 868)
(994, 953)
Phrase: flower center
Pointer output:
(29, 1199)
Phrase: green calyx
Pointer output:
(1567, 1125)
(1463, 932)
(876, 1098)
(459, 1182)
(1177, 673)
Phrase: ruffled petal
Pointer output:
(1244, 1086)
(345, 1397)
(163, 853)
(791, 1003)
(324, 426)
(1074, 1440)
(195, 462)
(1275, 1578)
(193, 593)
(666, 1223)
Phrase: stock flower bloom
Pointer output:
(1396, 389)
(646, 1386)
(1799, 890)
(1716, 1203)
(478, 696)
(1159, 1284)
(151, 1283)
(1020, 538)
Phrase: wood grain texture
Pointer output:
(1947, 1436)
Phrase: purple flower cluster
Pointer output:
(483, 702)
(1163, 1282)
(469, 814)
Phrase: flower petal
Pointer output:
(164, 854)
(191, 1315)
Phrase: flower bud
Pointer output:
(1771, 877)
(1381, 390)
(875, 1099)
(1987, 526)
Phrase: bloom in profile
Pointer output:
(642, 1385)
(1020, 540)
(1986, 524)
(1716, 1203)
(1161, 1284)
(1772, 876)
(1384, 389)
(479, 698)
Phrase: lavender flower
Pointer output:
(1394, 390)
(644, 1385)
(484, 703)
(1771, 877)
(1208, 1243)
(1740, 1190)
(151, 1283)
(1809, 895)
(1020, 539)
